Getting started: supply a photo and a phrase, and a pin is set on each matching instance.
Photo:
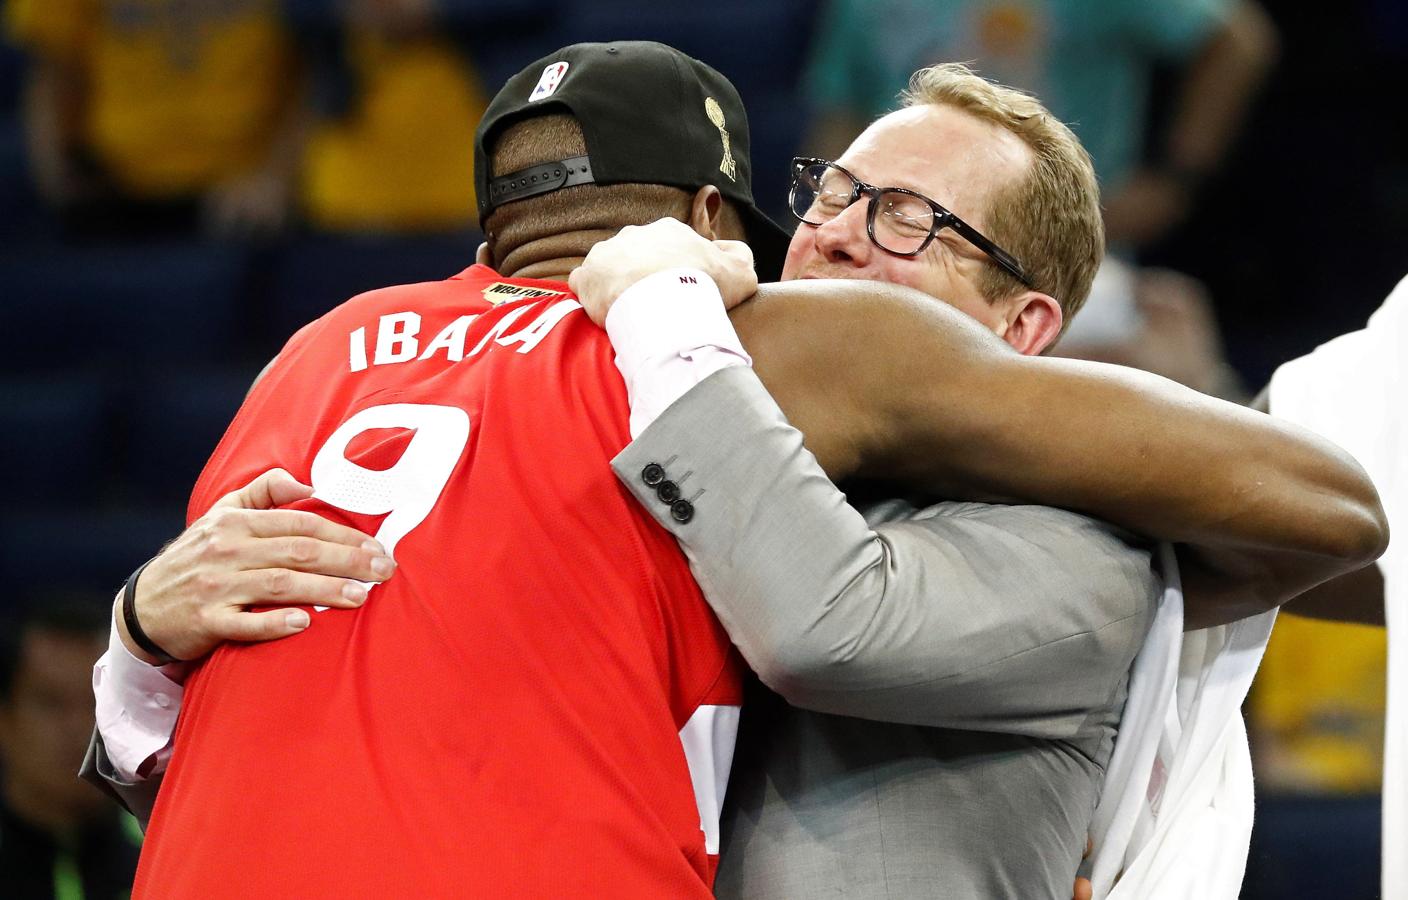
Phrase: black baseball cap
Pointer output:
(650, 114)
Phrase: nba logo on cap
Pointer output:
(552, 77)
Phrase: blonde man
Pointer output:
(948, 680)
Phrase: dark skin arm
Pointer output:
(886, 382)
(1357, 597)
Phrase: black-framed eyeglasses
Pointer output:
(898, 220)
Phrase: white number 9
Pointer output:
(408, 490)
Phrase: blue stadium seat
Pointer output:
(754, 44)
(81, 549)
(12, 66)
(1314, 847)
(176, 418)
(781, 120)
(316, 273)
(53, 437)
(175, 301)
(23, 213)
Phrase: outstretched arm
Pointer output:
(1357, 597)
(886, 382)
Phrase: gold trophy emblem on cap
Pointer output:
(716, 115)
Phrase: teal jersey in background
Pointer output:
(1088, 61)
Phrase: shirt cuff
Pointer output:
(137, 706)
(670, 331)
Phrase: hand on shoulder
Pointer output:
(638, 251)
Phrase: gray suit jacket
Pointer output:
(965, 665)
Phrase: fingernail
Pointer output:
(353, 591)
(297, 618)
(372, 546)
(383, 566)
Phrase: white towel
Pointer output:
(1175, 816)
(1351, 390)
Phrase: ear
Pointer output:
(704, 211)
(1033, 323)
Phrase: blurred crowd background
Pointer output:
(183, 183)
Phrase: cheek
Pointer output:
(907, 272)
(977, 308)
(797, 251)
(936, 276)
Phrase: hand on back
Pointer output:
(244, 553)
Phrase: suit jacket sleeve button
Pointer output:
(681, 511)
(652, 474)
(668, 491)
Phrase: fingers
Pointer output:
(282, 488)
(287, 587)
(313, 556)
(297, 523)
(735, 276)
(275, 487)
(234, 539)
(737, 259)
(1083, 889)
(737, 250)
(574, 281)
(267, 625)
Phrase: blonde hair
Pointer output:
(1050, 219)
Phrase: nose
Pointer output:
(844, 240)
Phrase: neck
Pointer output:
(553, 257)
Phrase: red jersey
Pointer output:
(510, 714)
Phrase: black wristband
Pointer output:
(134, 628)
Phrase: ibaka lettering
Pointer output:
(396, 337)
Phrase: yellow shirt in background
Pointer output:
(182, 94)
(1318, 707)
(403, 160)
